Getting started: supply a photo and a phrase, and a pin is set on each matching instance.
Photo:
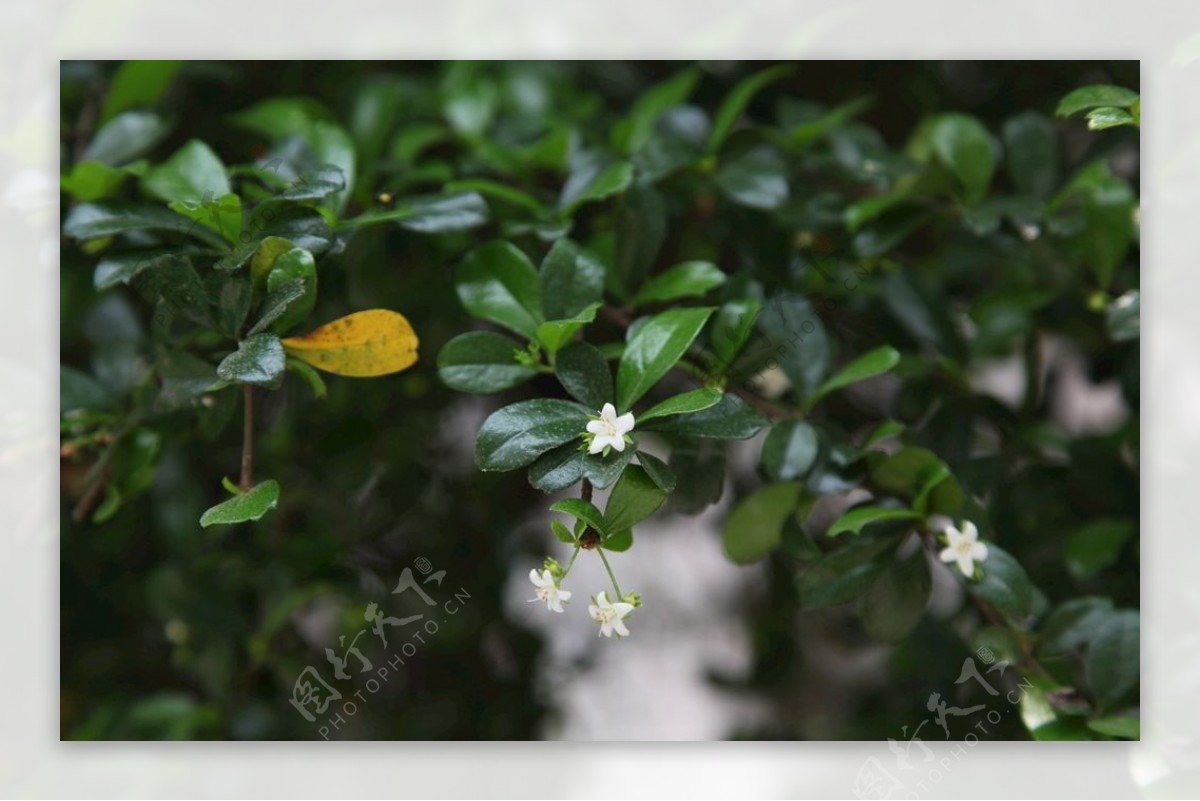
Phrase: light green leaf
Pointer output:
(250, 505)
(689, 279)
(1094, 96)
(1123, 726)
(192, 173)
(755, 526)
(694, 401)
(872, 363)
(582, 510)
(854, 520)
(612, 180)
(553, 334)
(964, 146)
(1100, 119)
(137, 84)
(729, 418)
(635, 497)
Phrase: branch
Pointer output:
(247, 438)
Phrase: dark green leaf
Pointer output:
(845, 574)
(585, 375)
(756, 179)
(895, 602)
(873, 363)
(618, 541)
(1113, 661)
(480, 361)
(137, 84)
(699, 467)
(731, 328)
(610, 181)
(854, 520)
(730, 418)
(662, 475)
(1031, 149)
(755, 525)
(964, 146)
(694, 401)
(634, 498)
(94, 220)
(602, 470)
(309, 376)
(258, 360)
(517, 434)
(1005, 585)
(1074, 624)
(497, 282)
(635, 130)
(571, 280)
(562, 533)
(277, 301)
(736, 101)
(557, 468)
(1125, 317)
(556, 333)
(641, 229)
(1096, 545)
(797, 338)
(302, 226)
(789, 450)
(250, 505)
(583, 510)
(654, 349)
(78, 390)
(291, 266)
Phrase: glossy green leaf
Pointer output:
(516, 435)
(250, 505)
(756, 179)
(755, 525)
(964, 146)
(1124, 317)
(1100, 119)
(258, 360)
(1005, 585)
(94, 220)
(662, 475)
(192, 173)
(482, 362)
(571, 279)
(798, 342)
(584, 373)
(295, 265)
(553, 334)
(497, 191)
(1073, 624)
(856, 519)
(557, 468)
(602, 470)
(1096, 95)
(618, 541)
(694, 401)
(633, 132)
(789, 450)
(897, 600)
(1097, 545)
(689, 279)
(276, 302)
(635, 497)
(441, 214)
(92, 180)
(735, 103)
(731, 328)
(222, 214)
(1123, 726)
(137, 84)
(332, 145)
(729, 418)
(612, 180)
(654, 349)
(497, 282)
(845, 574)
(699, 467)
(302, 226)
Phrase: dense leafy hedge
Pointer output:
(654, 261)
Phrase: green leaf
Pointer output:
(223, 214)
(1100, 119)
(1124, 317)
(885, 430)
(730, 418)
(654, 349)
(618, 541)
(516, 435)
(281, 117)
(689, 279)
(602, 470)
(699, 467)
(332, 145)
(1073, 624)
(126, 137)
(582, 510)
(556, 333)
(294, 265)
(854, 520)
(317, 183)
(497, 282)
(94, 220)
(662, 475)
(176, 284)
(276, 303)
(1124, 726)
(1113, 661)
(481, 361)
(641, 229)
(756, 179)
(804, 134)
(612, 180)
(694, 401)
(137, 84)
(789, 450)
(634, 498)
(192, 173)
(909, 471)
(268, 250)
(232, 296)
(964, 146)
(259, 360)
(443, 214)
(557, 469)
(845, 574)
(731, 328)
(1005, 585)
(309, 375)
(562, 533)
(895, 602)
(570, 280)
(78, 390)
(498, 191)
(633, 132)
(797, 338)
(304, 227)
(91, 180)
(755, 526)
(1096, 545)
(250, 505)
(736, 101)
(1031, 154)
(584, 374)
(1093, 96)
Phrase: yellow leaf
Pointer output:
(363, 344)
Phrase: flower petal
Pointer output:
(608, 412)
(969, 531)
(966, 565)
(948, 555)
(624, 423)
(564, 594)
(619, 627)
(617, 443)
(597, 444)
(596, 427)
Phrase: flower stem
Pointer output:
(611, 575)
(574, 556)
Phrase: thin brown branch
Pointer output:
(247, 438)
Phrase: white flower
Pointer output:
(609, 429)
(609, 615)
(963, 547)
(547, 590)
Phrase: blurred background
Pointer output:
(171, 631)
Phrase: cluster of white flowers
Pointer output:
(609, 614)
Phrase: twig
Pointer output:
(247, 438)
